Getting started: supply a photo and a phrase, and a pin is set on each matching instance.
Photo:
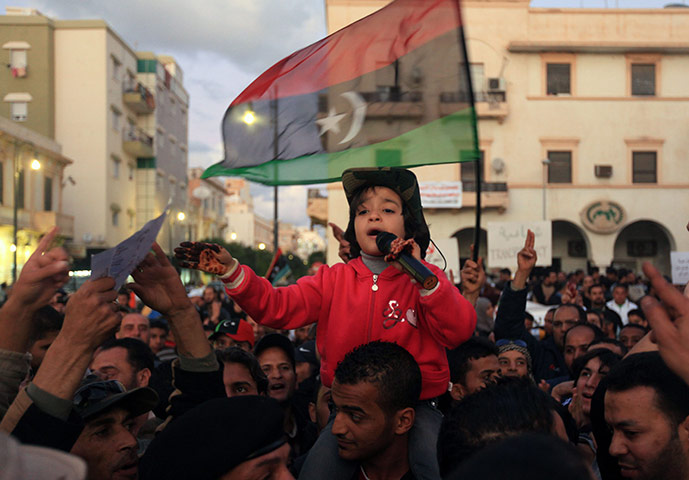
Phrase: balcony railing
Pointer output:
(138, 98)
(491, 105)
(470, 186)
(493, 195)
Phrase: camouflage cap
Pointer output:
(400, 180)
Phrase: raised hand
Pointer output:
(473, 277)
(91, 316)
(207, 257)
(672, 337)
(42, 274)
(526, 260)
(158, 285)
(344, 250)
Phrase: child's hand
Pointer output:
(207, 257)
(411, 248)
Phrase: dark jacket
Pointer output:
(548, 361)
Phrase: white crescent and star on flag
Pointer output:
(331, 123)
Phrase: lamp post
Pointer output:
(35, 165)
(545, 162)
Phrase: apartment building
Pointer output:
(582, 122)
(121, 116)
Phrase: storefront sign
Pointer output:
(603, 216)
(441, 194)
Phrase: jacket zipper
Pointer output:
(374, 289)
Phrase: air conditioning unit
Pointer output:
(495, 84)
(603, 171)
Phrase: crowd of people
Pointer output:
(355, 372)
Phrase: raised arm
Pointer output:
(158, 285)
(42, 275)
(509, 322)
(672, 337)
(42, 414)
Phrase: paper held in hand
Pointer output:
(118, 262)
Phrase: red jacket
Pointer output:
(349, 313)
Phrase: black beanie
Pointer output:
(213, 438)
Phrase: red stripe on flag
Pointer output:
(362, 47)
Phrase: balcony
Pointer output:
(44, 221)
(137, 143)
(138, 98)
(489, 105)
(390, 102)
(38, 221)
(493, 195)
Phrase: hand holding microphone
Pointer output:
(417, 270)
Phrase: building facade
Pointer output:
(582, 122)
(206, 207)
(121, 116)
(32, 179)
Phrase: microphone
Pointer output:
(417, 270)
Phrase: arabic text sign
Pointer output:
(118, 262)
(441, 194)
(449, 248)
(680, 267)
(505, 239)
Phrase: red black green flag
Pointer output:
(392, 89)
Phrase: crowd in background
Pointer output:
(190, 386)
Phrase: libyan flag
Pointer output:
(392, 89)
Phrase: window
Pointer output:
(478, 81)
(116, 166)
(2, 182)
(560, 167)
(131, 172)
(468, 171)
(18, 63)
(20, 189)
(558, 79)
(643, 79)
(115, 219)
(19, 111)
(644, 167)
(116, 115)
(47, 194)
(116, 64)
(18, 57)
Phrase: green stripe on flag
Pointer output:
(435, 143)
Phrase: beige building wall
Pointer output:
(37, 80)
(80, 73)
(92, 64)
(599, 122)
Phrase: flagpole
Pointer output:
(474, 121)
(276, 225)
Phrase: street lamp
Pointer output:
(261, 246)
(180, 218)
(233, 236)
(545, 162)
